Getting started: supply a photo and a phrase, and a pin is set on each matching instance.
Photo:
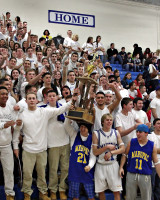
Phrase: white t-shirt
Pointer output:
(22, 104)
(11, 100)
(54, 139)
(33, 61)
(141, 115)
(8, 71)
(71, 86)
(124, 93)
(126, 122)
(99, 45)
(144, 94)
(74, 45)
(23, 88)
(98, 114)
(88, 47)
(152, 95)
(19, 61)
(156, 139)
(66, 42)
(6, 114)
(155, 103)
(132, 93)
(40, 95)
(35, 125)
(40, 66)
(62, 101)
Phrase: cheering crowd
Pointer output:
(38, 86)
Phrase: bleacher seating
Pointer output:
(123, 72)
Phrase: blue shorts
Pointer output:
(74, 189)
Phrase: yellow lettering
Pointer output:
(136, 155)
(81, 158)
(87, 151)
(133, 154)
(76, 149)
(139, 154)
(143, 155)
(82, 149)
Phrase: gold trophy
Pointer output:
(83, 112)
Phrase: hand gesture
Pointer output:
(4, 67)
(111, 85)
(86, 62)
(9, 123)
(29, 33)
(24, 58)
(66, 62)
(107, 156)
(47, 65)
(22, 71)
(135, 126)
(87, 168)
(16, 108)
(43, 71)
(121, 172)
(36, 66)
(16, 152)
(18, 122)
(69, 50)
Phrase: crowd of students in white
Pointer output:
(48, 67)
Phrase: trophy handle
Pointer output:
(86, 95)
(77, 83)
(92, 101)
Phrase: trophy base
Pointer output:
(81, 115)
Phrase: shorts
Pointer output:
(74, 190)
(107, 177)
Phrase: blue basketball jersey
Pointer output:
(79, 158)
(140, 158)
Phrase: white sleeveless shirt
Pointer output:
(106, 138)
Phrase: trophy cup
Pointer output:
(83, 114)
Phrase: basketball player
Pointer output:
(107, 143)
(81, 162)
(141, 152)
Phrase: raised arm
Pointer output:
(127, 131)
(117, 100)
(36, 79)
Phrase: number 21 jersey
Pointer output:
(79, 158)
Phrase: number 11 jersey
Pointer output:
(140, 157)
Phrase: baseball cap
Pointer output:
(143, 128)
(108, 92)
(94, 72)
(88, 126)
